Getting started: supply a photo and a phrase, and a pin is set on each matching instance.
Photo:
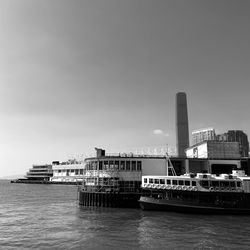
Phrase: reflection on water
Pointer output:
(49, 217)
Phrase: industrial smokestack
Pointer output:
(182, 132)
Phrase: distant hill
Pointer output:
(12, 177)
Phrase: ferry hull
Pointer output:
(151, 203)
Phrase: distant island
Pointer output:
(12, 177)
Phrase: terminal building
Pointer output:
(126, 169)
(104, 172)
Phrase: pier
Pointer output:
(106, 199)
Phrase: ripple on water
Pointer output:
(48, 217)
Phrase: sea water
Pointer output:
(35, 216)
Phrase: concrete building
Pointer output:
(219, 157)
(206, 134)
(236, 136)
(182, 131)
(214, 150)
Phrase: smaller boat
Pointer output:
(197, 193)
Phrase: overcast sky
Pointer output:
(75, 75)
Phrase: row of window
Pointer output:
(67, 171)
(115, 165)
(42, 166)
(203, 183)
(222, 184)
(170, 182)
(40, 171)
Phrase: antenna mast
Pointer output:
(169, 165)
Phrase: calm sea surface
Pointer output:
(49, 217)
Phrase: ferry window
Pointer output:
(169, 182)
(81, 171)
(232, 184)
(127, 165)
(238, 184)
(162, 181)
(145, 180)
(139, 166)
(150, 180)
(76, 171)
(59, 171)
(187, 183)
(193, 183)
(122, 165)
(204, 183)
(116, 165)
(224, 183)
(156, 181)
(100, 165)
(181, 182)
(215, 183)
(174, 182)
(133, 165)
(72, 170)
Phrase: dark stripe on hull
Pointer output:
(196, 201)
(164, 205)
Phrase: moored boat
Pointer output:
(197, 193)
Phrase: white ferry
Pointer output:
(200, 193)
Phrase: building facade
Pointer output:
(219, 157)
(41, 172)
(214, 150)
(236, 136)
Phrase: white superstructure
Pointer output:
(70, 171)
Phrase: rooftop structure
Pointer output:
(205, 134)
(70, 171)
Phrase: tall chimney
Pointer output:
(182, 132)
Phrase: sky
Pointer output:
(80, 74)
